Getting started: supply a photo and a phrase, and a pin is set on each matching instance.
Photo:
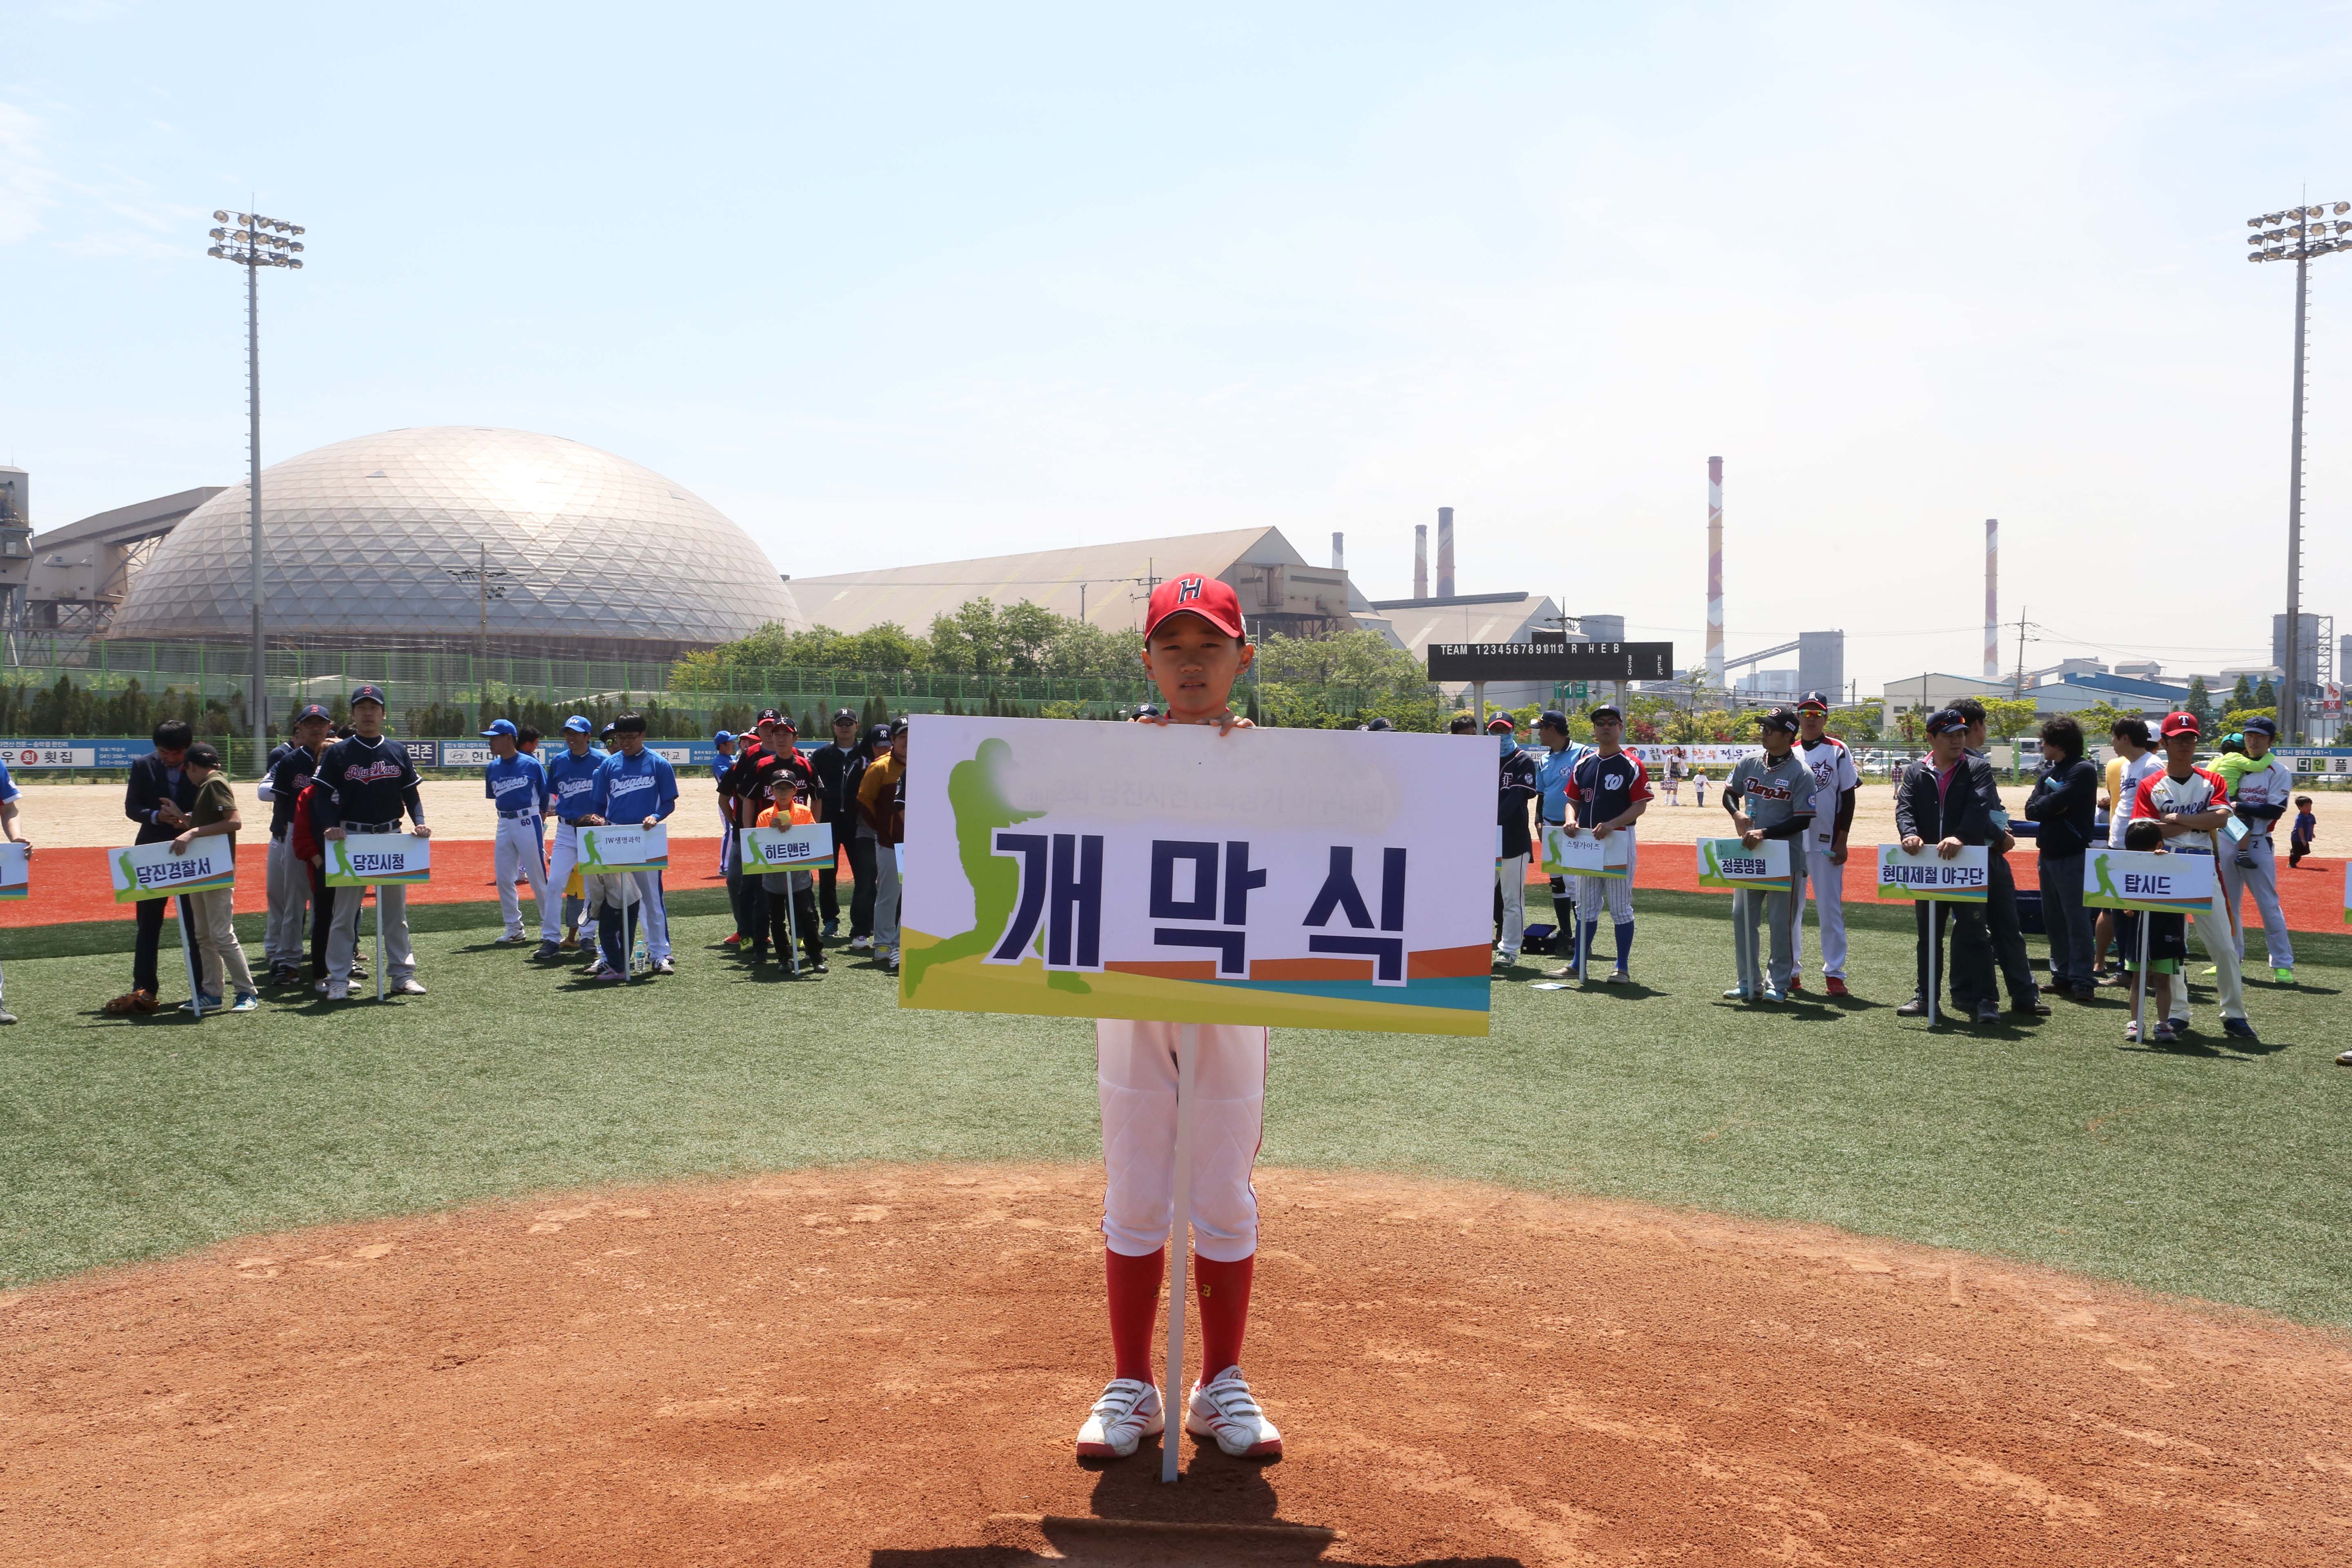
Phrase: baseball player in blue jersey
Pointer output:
(637, 787)
(571, 795)
(1553, 764)
(517, 786)
(9, 794)
(723, 744)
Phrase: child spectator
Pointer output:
(792, 900)
(2167, 941)
(2307, 828)
(216, 816)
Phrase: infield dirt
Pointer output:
(885, 1366)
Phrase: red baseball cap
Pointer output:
(1193, 594)
(2179, 724)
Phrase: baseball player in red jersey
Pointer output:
(1194, 647)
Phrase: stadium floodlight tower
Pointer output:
(254, 243)
(2297, 234)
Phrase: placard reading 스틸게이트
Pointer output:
(1581, 854)
(1965, 879)
(152, 872)
(370, 859)
(15, 870)
(1728, 863)
(2146, 880)
(1325, 879)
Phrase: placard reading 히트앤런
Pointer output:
(803, 846)
(1326, 878)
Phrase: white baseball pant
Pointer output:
(651, 910)
(1615, 892)
(1828, 881)
(563, 859)
(1136, 1072)
(290, 896)
(2211, 925)
(2263, 878)
(1511, 880)
(520, 851)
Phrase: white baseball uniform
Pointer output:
(1135, 1074)
(1833, 775)
(516, 786)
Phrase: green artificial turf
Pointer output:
(2204, 1168)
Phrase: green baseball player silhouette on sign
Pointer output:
(342, 860)
(1714, 865)
(2107, 887)
(129, 873)
(596, 858)
(976, 796)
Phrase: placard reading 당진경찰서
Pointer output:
(1335, 879)
(152, 872)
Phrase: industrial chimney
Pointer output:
(1714, 573)
(1993, 598)
(1338, 552)
(1420, 561)
(1445, 553)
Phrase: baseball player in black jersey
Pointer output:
(365, 784)
(290, 880)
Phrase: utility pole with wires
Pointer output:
(255, 243)
(2018, 688)
(488, 584)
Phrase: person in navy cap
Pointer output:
(283, 939)
(723, 745)
(516, 786)
(365, 783)
(571, 796)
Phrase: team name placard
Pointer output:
(1728, 863)
(1323, 878)
(2143, 880)
(1582, 855)
(370, 859)
(803, 846)
(609, 850)
(1965, 879)
(152, 872)
(16, 870)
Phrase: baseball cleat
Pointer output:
(6, 1016)
(861, 944)
(1223, 1408)
(1836, 984)
(2238, 1028)
(1737, 994)
(245, 1002)
(548, 950)
(735, 940)
(663, 966)
(508, 940)
(1772, 994)
(335, 992)
(407, 985)
(832, 929)
(1796, 982)
(609, 977)
(2345, 1060)
(1128, 1413)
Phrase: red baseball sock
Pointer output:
(1224, 1310)
(1134, 1309)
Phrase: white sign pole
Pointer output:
(2139, 992)
(379, 939)
(188, 950)
(1179, 1231)
(628, 936)
(1935, 951)
(792, 927)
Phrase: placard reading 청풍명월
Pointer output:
(1326, 879)
(1728, 863)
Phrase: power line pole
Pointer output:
(257, 242)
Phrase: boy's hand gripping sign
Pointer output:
(1310, 877)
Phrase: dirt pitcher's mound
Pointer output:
(885, 1366)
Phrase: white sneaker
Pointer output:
(1225, 1409)
(508, 940)
(861, 944)
(663, 966)
(336, 993)
(407, 985)
(1128, 1413)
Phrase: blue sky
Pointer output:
(915, 284)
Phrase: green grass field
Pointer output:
(2202, 1168)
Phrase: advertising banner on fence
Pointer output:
(2163, 884)
(805, 847)
(679, 754)
(1316, 877)
(1582, 855)
(152, 872)
(611, 849)
(1965, 879)
(16, 870)
(363, 859)
(1710, 756)
(1728, 863)
(98, 753)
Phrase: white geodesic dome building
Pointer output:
(367, 543)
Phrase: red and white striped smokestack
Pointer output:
(1445, 553)
(1714, 573)
(1993, 598)
(1338, 552)
(1420, 561)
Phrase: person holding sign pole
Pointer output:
(158, 798)
(1941, 800)
(830, 769)
(792, 903)
(1194, 647)
(570, 795)
(1835, 781)
(364, 785)
(1610, 788)
(640, 786)
(218, 949)
(1771, 797)
(881, 803)
(1517, 787)
(1553, 763)
(8, 795)
(289, 878)
(2167, 945)
(2063, 803)
(2191, 805)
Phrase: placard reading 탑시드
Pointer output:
(1326, 878)
(2146, 880)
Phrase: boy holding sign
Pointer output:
(1771, 797)
(1194, 647)
(217, 944)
